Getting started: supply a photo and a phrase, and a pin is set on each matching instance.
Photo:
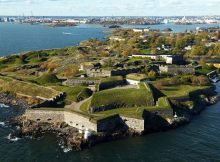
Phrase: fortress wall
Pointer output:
(72, 119)
(136, 124)
(79, 121)
(45, 116)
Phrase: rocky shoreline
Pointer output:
(70, 137)
(73, 139)
(11, 100)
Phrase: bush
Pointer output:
(76, 93)
(200, 80)
(48, 78)
(111, 82)
(71, 71)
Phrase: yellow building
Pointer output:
(217, 65)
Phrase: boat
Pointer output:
(66, 33)
(111, 26)
(215, 80)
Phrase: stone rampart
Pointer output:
(136, 124)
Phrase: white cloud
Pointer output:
(111, 7)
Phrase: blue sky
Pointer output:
(110, 7)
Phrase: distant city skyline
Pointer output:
(109, 7)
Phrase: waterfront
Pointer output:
(16, 38)
(198, 141)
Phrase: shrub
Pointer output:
(71, 71)
(111, 82)
(48, 78)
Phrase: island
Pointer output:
(133, 83)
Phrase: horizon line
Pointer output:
(108, 15)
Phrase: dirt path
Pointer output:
(76, 105)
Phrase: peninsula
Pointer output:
(135, 82)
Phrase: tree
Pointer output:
(198, 50)
(71, 71)
(200, 80)
(22, 58)
(202, 62)
(152, 74)
(51, 66)
(203, 80)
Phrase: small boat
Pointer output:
(66, 33)
(215, 80)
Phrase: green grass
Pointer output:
(131, 112)
(47, 79)
(123, 98)
(26, 88)
(180, 90)
(205, 70)
(76, 93)
(137, 77)
(145, 51)
(163, 102)
(110, 82)
(84, 107)
(126, 112)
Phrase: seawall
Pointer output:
(72, 119)
(80, 122)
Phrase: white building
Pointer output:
(115, 38)
(138, 30)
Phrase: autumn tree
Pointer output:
(202, 62)
(51, 66)
(198, 50)
(152, 74)
(71, 71)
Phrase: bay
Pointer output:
(16, 38)
(198, 141)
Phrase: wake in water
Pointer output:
(2, 124)
(12, 138)
(4, 106)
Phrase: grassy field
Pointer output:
(76, 93)
(84, 107)
(163, 102)
(146, 51)
(180, 90)
(137, 77)
(48, 79)
(110, 82)
(25, 88)
(123, 98)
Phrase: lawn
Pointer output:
(116, 98)
(163, 102)
(131, 112)
(84, 107)
(26, 88)
(180, 90)
(75, 93)
(146, 51)
(111, 82)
